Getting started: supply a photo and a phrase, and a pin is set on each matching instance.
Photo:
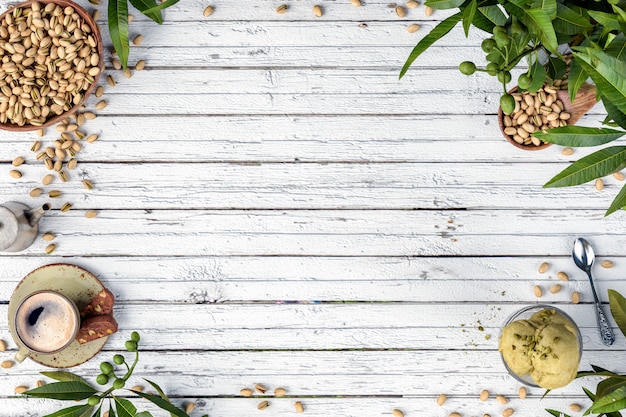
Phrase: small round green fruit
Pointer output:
(488, 45)
(93, 400)
(106, 368)
(102, 379)
(507, 103)
(524, 81)
(134, 336)
(119, 383)
(504, 77)
(118, 359)
(467, 67)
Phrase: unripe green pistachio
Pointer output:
(524, 81)
(504, 77)
(93, 400)
(467, 67)
(507, 103)
(118, 359)
(492, 69)
(119, 383)
(106, 368)
(488, 45)
(131, 346)
(102, 379)
(134, 336)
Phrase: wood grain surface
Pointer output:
(275, 206)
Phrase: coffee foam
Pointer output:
(46, 322)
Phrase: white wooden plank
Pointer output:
(415, 138)
(332, 233)
(313, 186)
(245, 279)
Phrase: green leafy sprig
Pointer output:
(117, 18)
(71, 387)
(610, 395)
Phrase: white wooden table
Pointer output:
(276, 207)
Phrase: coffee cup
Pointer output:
(45, 322)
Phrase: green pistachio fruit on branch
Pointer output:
(507, 103)
(467, 67)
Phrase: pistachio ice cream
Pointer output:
(544, 347)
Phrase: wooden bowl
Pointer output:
(95, 31)
(584, 101)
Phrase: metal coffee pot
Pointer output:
(19, 225)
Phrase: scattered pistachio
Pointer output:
(282, 9)
(246, 392)
(138, 40)
(41, 132)
(50, 248)
(189, 407)
(544, 267)
(39, 383)
(607, 264)
(35, 146)
(127, 72)
(280, 392)
(454, 414)
(522, 393)
(318, 11)
(556, 288)
(54, 193)
(400, 11)
(355, 3)
(7, 364)
(567, 151)
(20, 389)
(484, 395)
(599, 184)
(90, 214)
(413, 28)
(575, 407)
(35, 192)
(140, 65)
(507, 412)
(441, 399)
(208, 11)
(538, 291)
(260, 388)
(3, 345)
(575, 297)
(15, 173)
(618, 176)
(562, 276)
(263, 405)
(397, 413)
(87, 184)
(100, 91)
(18, 161)
(412, 4)
(299, 407)
(502, 399)
(66, 207)
(48, 236)
(428, 11)
(101, 104)
(47, 180)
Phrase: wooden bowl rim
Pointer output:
(510, 139)
(95, 30)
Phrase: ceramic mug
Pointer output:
(45, 322)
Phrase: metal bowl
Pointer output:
(524, 314)
(86, 17)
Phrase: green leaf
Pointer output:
(157, 388)
(596, 165)
(557, 413)
(70, 390)
(578, 136)
(548, 6)
(538, 74)
(607, 72)
(143, 414)
(468, 16)
(617, 47)
(97, 413)
(124, 407)
(614, 114)
(73, 411)
(614, 401)
(145, 7)
(608, 20)
(609, 385)
(63, 376)
(617, 303)
(537, 21)
(165, 405)
(619, 202)
(161, 6)
(435, 34)
(118, 28)
(444, 4)
(569, 22)
(577, 76)
(87, 412)
(494, 14)
(556, 67)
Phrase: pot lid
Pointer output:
(8, 228)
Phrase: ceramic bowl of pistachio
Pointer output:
(541, 346)
(52, 57)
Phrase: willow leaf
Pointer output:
(143, 414)
(617, 303)
(468, 16)
(537, 21)
(614, 401)
(165, 405)
(146, 7)
(124, 407)
(73, 411)
(70, 390)
(63, 376)
(579, 136)
(160, 391)
(435, 34)
(614, 114)
(118, 28)
(537, 73)
(617, 47)
(577, 76)
(608, 20)
(569, 22)
(596, 165)
(494, 14)
(162, 6)
(548, 6)
(556, 67)
(607, 72)
(444, 4)
(556, 413)
(609, 385)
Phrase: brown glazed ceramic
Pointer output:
(95, 31)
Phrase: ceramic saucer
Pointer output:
(76, 283)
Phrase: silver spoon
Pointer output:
(583, 257)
